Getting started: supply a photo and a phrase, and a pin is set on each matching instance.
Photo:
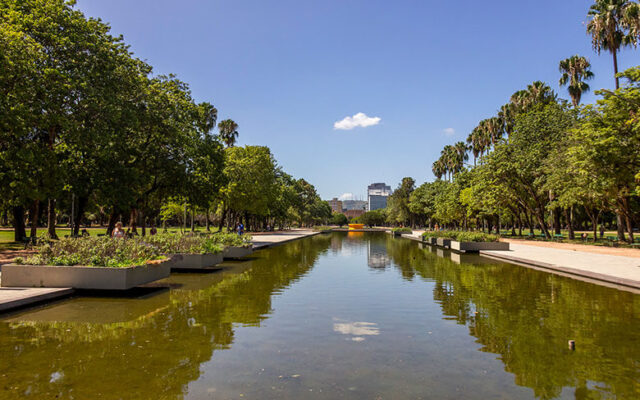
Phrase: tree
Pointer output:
(606, 146)
(614, 24)
(228, 132)
(575, 71)
(339, 219)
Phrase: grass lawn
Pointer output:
(6, 234)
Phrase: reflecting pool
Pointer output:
(353, 316)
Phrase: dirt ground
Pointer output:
(6, 256)
(613, 251)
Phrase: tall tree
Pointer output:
(575, 71)
(228, 132)
(614, 24)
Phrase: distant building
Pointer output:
(377, 195)
(348, 205)
(354, 213)
(336, 205)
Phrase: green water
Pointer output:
(333, 317)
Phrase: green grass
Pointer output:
(6, 235)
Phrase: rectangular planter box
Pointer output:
(477, 246)
(429, 240)
(82, 277)
(236, 252)
(442, 242)
(194, 261)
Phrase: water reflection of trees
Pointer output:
(156, 355)
(527, 316)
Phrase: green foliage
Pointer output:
(322, 228)
(373, 218)
(97, 252)
(339, 219)
(462, 236)
(184, 244)
(401, 230)
(231, 239)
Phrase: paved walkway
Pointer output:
(269, 239)
(612, 269)
(11, 298)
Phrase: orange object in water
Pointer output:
(356, 226)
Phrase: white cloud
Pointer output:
(347, 196)
(357, 329)
(449, 131)
(358, 120)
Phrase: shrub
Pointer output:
(462, 236)
(476, 237)
(231, 239)
(95, 251)
(188, 244)
(322, 228)
(401, 230)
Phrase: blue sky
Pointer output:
(287, 70)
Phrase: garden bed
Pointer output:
(83, 277)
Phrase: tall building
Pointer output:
(377, 195)
(336, 205)
(354, 205)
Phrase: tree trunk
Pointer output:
(77, 219)
(113, 218)
(142, 221)
(133, 221)
(34, 212)
(51, 219)
(556, 222)
(18, 223)
(568, 214)
(207, 219)
(615, 68)
(619, 226)
(192, 225)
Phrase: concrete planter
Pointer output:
(443, 242)
(194, 261)
(398, 234)
(236, 252)
(477, 246)
(429, 240)
(82, 277)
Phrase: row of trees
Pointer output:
(86, 127)
(542, 161)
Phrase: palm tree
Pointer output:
(207, 117)
(494, 127)
(438, 168)
(474, 140)
(507, 116)
(228, 132)
(575, 70)
(461, 155)
(540, 92)
(613, 25)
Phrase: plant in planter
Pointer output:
(188, 251)
(235, 246)
(400, 231)
(88, 263)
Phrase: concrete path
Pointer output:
(269, 239)
(616, 270)
(586, 264)
(14, 297)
